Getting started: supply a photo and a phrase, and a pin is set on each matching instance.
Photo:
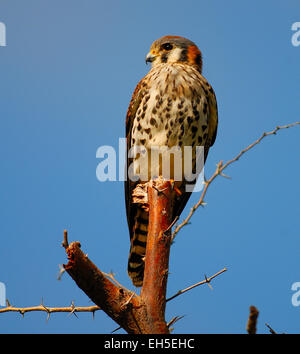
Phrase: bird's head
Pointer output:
(174, 49)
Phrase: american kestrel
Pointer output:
(173, 105)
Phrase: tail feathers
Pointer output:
(137, 252)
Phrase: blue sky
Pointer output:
(66, 78)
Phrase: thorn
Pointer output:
(270, 329)
(73, 312)
(115, 330)
(173, 320)
(8, 303)
(219, 166)
(172, 224)
(128, 301)
(208, 282)
(61, 272)
(46, 309)
(159, 190)
(223, 175)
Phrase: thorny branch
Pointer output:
(206, 281)
(49, 310)
(271, 330)
(122, 304)
(219, 172)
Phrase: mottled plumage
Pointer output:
(173, 105)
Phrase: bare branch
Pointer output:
(271, 329)
(206, 281)
(112, 277)
(144, 313)
(65, 242)
(50, 310)
(219, 172)
(174, 320)
(117, 302)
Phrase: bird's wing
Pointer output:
(182, 200)
(136, 99)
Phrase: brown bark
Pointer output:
(144, 313)
(160, 197)
(252, 320)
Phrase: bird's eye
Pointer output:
(167, 46)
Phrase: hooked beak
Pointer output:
(150, 57)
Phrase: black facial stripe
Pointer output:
(164, 58)
(198, 60)
(183, 55)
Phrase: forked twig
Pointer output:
(174, 320)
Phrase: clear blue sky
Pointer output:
(66, 78)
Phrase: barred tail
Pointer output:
(137, 252)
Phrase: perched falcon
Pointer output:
(173, 105)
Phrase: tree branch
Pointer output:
(144, 313)
(252, 320)
(49, 310)
(135, 314)
(117, 302)
(271, 330)
(153, 292)
(206, 281)
(219, 172)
